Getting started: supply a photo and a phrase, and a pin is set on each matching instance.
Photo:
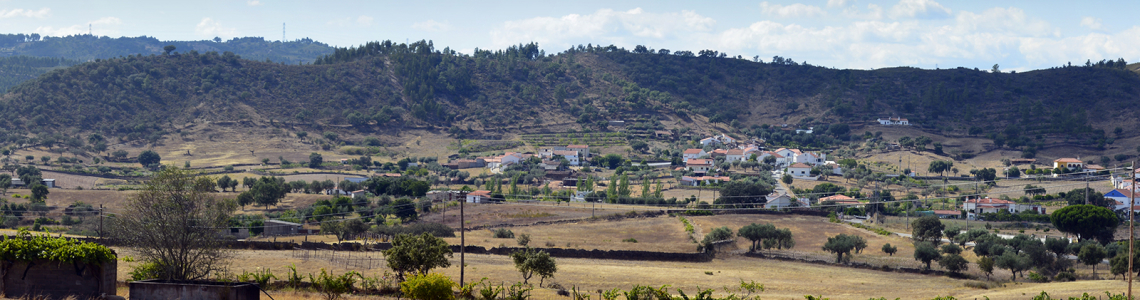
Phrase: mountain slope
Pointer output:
(384, 86)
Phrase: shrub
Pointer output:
(1065, 276)
(432, 286)
(629, 240)
(144, 271)
(524, 239)
(490, 292)
(503, 233)
(1037, 277)
(333, 286)
(718, 234)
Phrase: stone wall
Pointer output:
(57, 280)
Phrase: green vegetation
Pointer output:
(27, 247)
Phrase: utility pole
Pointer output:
(462, 236)
(1131, 234)
(100, 221)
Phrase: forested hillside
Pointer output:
(383, 86)
(17, 69)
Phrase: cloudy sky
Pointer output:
(1018, 35)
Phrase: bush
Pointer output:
(435, 229)
(432, 286)
(503, 233)
(524, 239)
(1065, 276)
(629, 240)
(1037, 277)
(718, 234)
(144, 271)
(333, 286)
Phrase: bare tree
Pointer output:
(175, 223)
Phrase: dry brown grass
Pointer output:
(664, 234)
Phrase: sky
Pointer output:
(847, 34)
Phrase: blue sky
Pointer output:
(1018, 35)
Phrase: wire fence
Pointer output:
(355, 260)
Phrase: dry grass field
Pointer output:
(663, 234)
(782, 280)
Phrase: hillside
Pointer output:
(382, 87)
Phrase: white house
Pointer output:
(780, 159)
(583, 150)
(699, 165)
(788, 154)
(799, 170)
(571, 156)
(479, 196)
(706, 180)
(1122, 198)
(708, 141)
(811, 158)
(990, 205)
(735, 155)
(692, 153)
(778, 201)
(361, 194)
(893, 121)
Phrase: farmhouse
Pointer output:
(735, 155)
(692, 153)
(278, 227)
(779, 201)
(799, 170)
(1122, 198)
(840, 199)
(990, 205)
(703, 180)
(894, 121)
(699, 165)
(479, 196)
(1069, 163)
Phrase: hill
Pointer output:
(382, 87)
(26, 56)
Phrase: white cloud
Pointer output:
(364, 21)
(361, 21)
(27, 13)
(212, 28)
(604, 26)
(874, 12)
(107, 26)
(792, 11)
(920, 9)
(836, 3)
(1092, 23)
(432, 26)
(253, 3)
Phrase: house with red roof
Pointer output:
(692, 153)
(800, 170)
(699, 165)
(1069, 162)
(480, 196)
(991, 205)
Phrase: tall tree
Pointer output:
(1086, 221)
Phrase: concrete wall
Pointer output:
(205, 290)
(57, 280)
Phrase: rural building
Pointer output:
(947, 214)
(361, 194)
(735, 155)
(894, 121)
(479, 196)
(799, 170)
(778, 201)
(990, 205)
(703, 180)
(583, 150)
(1122, 198)
(692, 154)
(699, 165)
(1069, 162)
(278, 227)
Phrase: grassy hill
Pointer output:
(382, 87)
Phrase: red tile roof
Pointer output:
(799, 165)
(1068, 160)
(947, 212)
(693, 151)
(836, 197)
(736, 152)
(699, 162)
(480, 193)
(989, 202)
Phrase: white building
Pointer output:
(692, 153)
(699, 165)
(799, 170)
(893, 121)
(479, 196)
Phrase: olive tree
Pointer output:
(927, 229)
(417, 254)
(173, 222)
(531, 261)
(843, 244)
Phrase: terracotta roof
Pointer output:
(693, 151)
(736, 152)
(578, 146)
(812, 154)
(800, 165)
(1125, 193)
(947, 212)
(565, 152)
(1094, 167)
(989, 202)
(796, 151)
(698, 162)
(836, 197)
(480, 193)
(1068, 160)
(777, 155)
(720, 151)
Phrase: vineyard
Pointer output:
(602, 139)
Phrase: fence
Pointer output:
(366, 260)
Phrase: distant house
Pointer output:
(705, 180)
(735, 155)
(1122, 198)
(947, 214)
(278, 227)
(583, 150)
(990, 205)
(356, 179)
(718, 153)
(691, 154)
(50, 183)
(1069, 163)
(699, 165)
(840, 199)
(708, 141)
(1092, 168)
(779, 201)
(799, 170)
(361, 194)
(479, 196)
(893, 121)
